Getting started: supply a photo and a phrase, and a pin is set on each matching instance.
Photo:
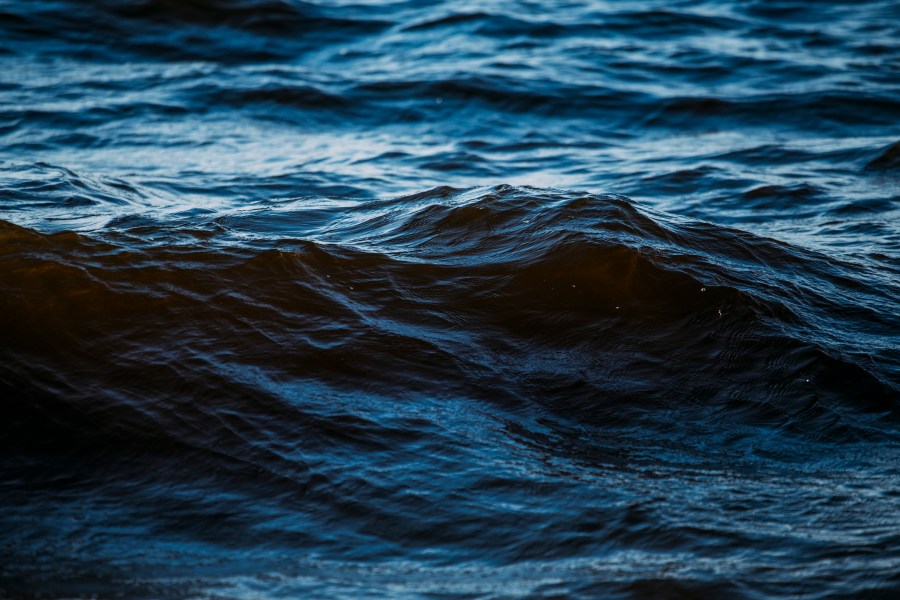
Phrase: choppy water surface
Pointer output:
(449, 300)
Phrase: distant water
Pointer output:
(559, 299)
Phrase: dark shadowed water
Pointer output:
(559, 299)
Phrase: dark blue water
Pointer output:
(569, 299)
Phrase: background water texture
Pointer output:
(436, 299)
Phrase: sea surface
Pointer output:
(450, 300)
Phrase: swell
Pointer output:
(652, 22)
(439, 102)
(528, 300)
(225, 31)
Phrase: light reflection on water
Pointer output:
(346, 311)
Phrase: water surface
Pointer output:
(449, 299)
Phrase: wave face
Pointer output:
(271, 327)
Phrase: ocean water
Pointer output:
(433, 299)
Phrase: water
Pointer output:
(449, 300)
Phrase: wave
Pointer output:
(888, 159)
(225, 31)
(268, 17)
(238, 356)
(582, 305)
